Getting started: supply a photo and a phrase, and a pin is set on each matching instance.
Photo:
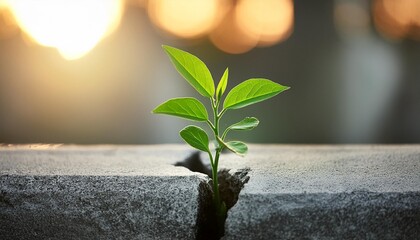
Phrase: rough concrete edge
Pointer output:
(386, 206)
(202, 187)
(5, 201)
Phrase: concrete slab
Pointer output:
(327, 192)
(98, 192)
(135, 192)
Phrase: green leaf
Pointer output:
(252, 91)
(192, 69)
(240, 148)
(189, 108)
(247, 123)
(195, 137)
(221, 87)
(237, 147)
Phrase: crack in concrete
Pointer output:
(231, 183)
(194, 164)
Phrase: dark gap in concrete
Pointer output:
(231, 183)
(194, 163)
(206, 219)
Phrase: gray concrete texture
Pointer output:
(134, 192)
(327, 192)
(98, 192)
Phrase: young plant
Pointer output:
(197, 74)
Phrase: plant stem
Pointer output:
(216, 182)
(215, 106)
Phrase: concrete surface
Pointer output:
(98, 192)
(135, 192)
(327, 192)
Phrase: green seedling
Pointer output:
(197, 74)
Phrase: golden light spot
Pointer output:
(271, 21)
(186, 18)
(397, 19)
(72, 27)
(230, 38)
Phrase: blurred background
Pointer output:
(90, 71)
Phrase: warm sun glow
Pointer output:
(72, 27)
(269, 20)
(7, 23)
(185, 18)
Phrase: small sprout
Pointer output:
(197, 74)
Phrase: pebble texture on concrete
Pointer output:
(327, 192)
(99, 192)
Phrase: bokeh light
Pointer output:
(397, 19)
(271, 21)
(72, 27)
(75, 27)
(351, 17)
(185, 18)
(230, 38)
